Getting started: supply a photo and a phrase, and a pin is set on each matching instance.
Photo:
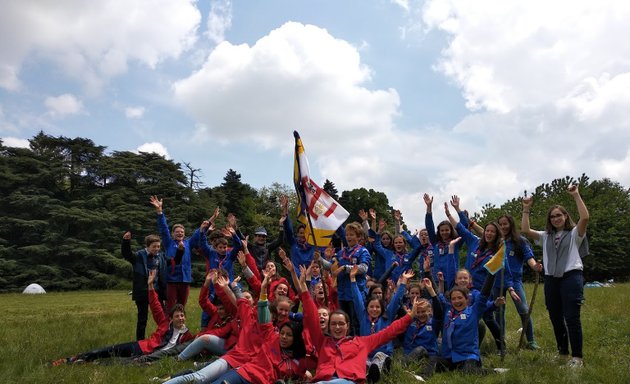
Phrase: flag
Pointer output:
(497, 261)
(326, 215)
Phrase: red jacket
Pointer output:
(346, 357)
(250, 338)
(225, 329)
(159, 338)
(271, 363)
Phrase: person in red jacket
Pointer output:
(168, 334)
(341, 358)
(281, 357)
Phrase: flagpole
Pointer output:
(321, 264)
(502, 313)
(521, 343)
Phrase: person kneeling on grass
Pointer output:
(168, 334)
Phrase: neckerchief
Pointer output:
(481, 257)
(354, 249)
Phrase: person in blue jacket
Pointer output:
(517, 252)
(179, 267)
(442, 262)
(143, 262)
(374, 317)
(353, 254)
(421, 338)
(460, 332)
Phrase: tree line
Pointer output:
(65, 203)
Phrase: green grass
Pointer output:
(40, 328)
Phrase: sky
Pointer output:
(483, 99)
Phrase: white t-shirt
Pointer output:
(575, 261)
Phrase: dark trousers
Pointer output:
(176, 293)
(564, 297)
(118, 350)
(348, 307)
(143, 314)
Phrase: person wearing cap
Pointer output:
(260, 249)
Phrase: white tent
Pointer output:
(34, 289)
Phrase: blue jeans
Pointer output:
(335, 381)
(522, 308)
(205, 375)
(564, 297)
(210, 343)
(231, 377)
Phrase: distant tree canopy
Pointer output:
(65, 203)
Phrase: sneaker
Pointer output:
(532, 345)
(59, 362)
(575, 362)
(388, 364)
(373, 374)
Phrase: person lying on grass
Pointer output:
(168, 334)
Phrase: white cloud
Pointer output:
(94, 41)
(404, 4)
(154, 147)
(15, 142)
(63, 105)
(219, 20)
(296, 77)
(134, 112)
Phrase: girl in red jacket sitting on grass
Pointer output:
(168, 334)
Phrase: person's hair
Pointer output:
(151, 239)
(223, 272)
(298, 348)
(300, 226)
(373, 287)
(177, 308)
(464, 291)
(391, 239)
(450, 226)
(381, 302)
(494, 245)
(568, 222)
(220, 241)
(273, 306)
(175, 226)
(356, 228)
(214, 235)
(423, 301)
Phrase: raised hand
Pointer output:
(242, 259)
(527, 202)
(455, 202)
(447, 212)
(426, 264)
(397, 215)
(127, 236)
(381, 225)
(288, 264)
(215, 214)
(440, 276)
(428, 286)
(405, 276)
(282, 253)
(244, 243)
(284, 203)
(157, 203)
(210, 277)
(234, 282)
(372, 213)
(222, 281)
(231, 219)
(329, 252)
(428, 200)
(573, 190)
(363, 215)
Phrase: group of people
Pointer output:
(340, 312)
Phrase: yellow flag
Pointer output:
(497, 261)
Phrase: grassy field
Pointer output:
(40, 328)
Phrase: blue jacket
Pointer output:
(142, 264)
(405, 260)
(366, 327)
(460, 335)
(221, 261)
(351, 256)
(301, 254)
(178, 271)
(442, 261)
(515, 258)
(425, 335)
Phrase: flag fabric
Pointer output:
(326, 215)
(497, 261)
